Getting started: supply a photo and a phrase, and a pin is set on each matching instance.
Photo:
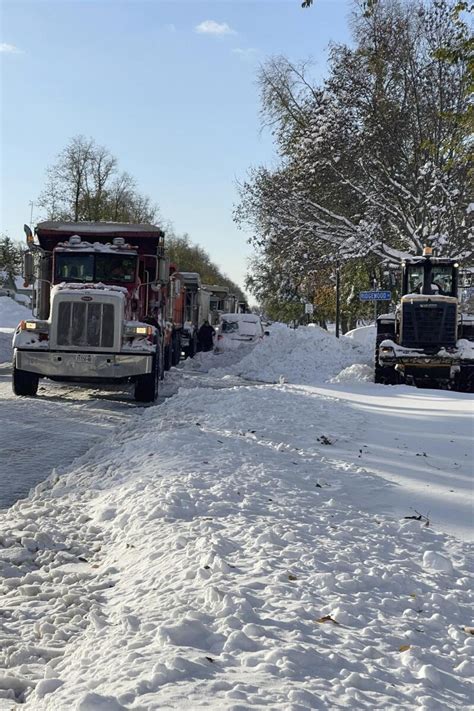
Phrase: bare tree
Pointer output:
(84, 184)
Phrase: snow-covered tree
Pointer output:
(11, 256)
(373, 161)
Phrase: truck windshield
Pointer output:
(103, 267)
(74, 267)
(115, 267)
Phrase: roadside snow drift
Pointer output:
(11, 313)
(210, 555)
(306, 356)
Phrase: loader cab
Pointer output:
(430, 275)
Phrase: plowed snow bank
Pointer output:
(307, 356)
(11, 313)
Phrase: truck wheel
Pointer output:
(192, 347)
(146, 386)
(24, 383)
(176, 352)
(168, 356)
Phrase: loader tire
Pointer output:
(24, 383)
(385, 375)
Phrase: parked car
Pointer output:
(234, 330)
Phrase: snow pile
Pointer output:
(307, 356)
(359, 373)
(365, 335)
(11, 313)
(210, 555)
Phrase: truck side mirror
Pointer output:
(28, 268)
(29, 235)
(164, 270)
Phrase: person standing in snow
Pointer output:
(206, 336)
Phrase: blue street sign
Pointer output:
(375, 295)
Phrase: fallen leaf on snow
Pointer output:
(328, 618)
(405, 648)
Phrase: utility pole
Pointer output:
(375, 285)
(338, 298)
(32, 204)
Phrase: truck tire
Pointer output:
(192, 350)
(146, 386)
(24, 383)
(168, 356)
(176, 351)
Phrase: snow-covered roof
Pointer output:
(249, 318)
(216, 289)
(83, 228)
(85, 246)
(190, 277)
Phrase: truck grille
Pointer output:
(85, 324)
(429, 324)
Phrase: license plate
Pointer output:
(83, 358)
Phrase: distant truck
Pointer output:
(103, 307)
(222, 301)
(195, 309)
(429, 340)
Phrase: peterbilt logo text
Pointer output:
(86, 298)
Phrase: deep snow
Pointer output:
(243, 545)
(11, 313)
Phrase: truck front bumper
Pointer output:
(83, 366)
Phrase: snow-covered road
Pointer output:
(243, 545)
(420, 441)
(40, 434)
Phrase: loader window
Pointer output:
(442, 278)
(415, 279)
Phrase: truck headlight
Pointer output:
(387, 350)
(141, 330)
(40, 326)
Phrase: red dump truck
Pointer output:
(103, 307)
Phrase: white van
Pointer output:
(235, 330)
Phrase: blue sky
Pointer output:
(168, 86)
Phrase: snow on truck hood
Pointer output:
(98, 289)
